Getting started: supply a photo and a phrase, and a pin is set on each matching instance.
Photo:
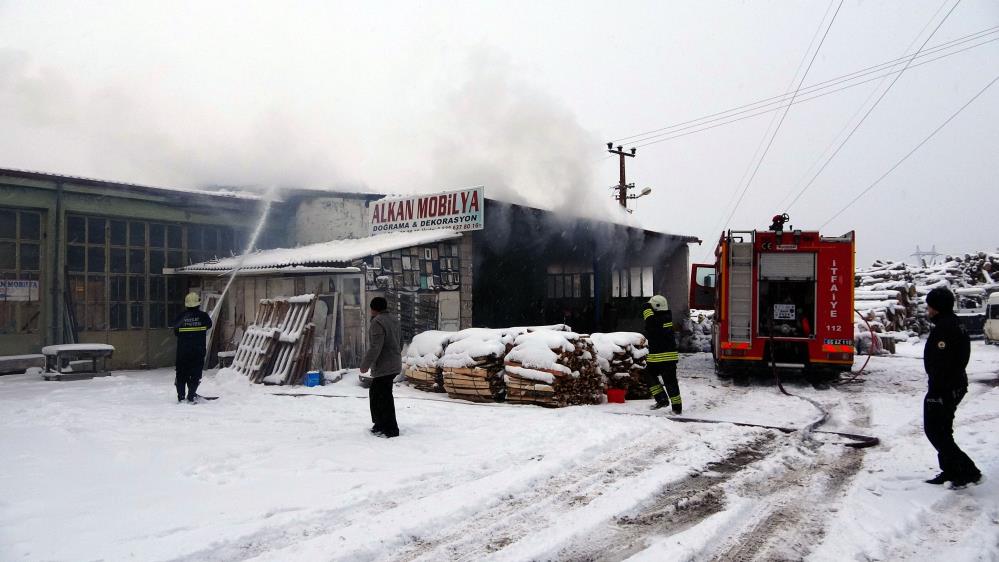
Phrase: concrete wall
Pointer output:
(329, 218)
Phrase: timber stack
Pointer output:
(421, 361)
(472, 365)
(621, 360)
(553, 369)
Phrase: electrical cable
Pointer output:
(814, 87)
(801, 100)
(860, 109)
(787, 108)
(871, 110)
(910, 153)
(773, 119)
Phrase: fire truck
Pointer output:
(782, 298)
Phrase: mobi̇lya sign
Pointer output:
(15, 290)
(458, 210)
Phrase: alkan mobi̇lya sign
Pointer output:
(16, 290)
(458, 210)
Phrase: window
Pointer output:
(632, 282)
(569, 282)
(20, 271)
(116, 268)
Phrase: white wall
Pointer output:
(322, 219)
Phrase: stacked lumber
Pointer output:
(472, 365)
(277, 347)
(421, 360)
(553, 369)
(621, 360)
(891, 295)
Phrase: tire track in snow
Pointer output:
(316, 524)
(554, 503)
(792, 504)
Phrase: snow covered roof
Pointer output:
(332, 252)
(222, 193)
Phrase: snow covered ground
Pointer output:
(113, 469)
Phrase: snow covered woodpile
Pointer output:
(421, 360)
(277, 347)
(890, 294)
(554, 369)
(472, 365)
(695, 332)
(621, 359)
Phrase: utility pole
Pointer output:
(623, 186)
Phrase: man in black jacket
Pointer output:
(945, 358)
(660, 367)
(190, 327)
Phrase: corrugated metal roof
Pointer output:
(332, 252)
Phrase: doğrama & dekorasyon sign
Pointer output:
(458, 210)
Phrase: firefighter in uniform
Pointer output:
(945, 358)
(660, 370)
(190, 327)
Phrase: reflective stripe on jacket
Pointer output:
(659, 332)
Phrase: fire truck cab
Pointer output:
(781, 299)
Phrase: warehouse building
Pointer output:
(104, 262)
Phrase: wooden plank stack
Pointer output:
(621, 359)
(472, 365)
(277, 347)
(553, 369)
(421, 361)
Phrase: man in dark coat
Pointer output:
(945, 358)
(384, 359)
(190, 327)
(660, 365)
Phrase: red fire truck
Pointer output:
(781, 298)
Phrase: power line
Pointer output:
(770, 143)
(870, 96)
(773, 119)
(745, 108)
(911, 152)
(804, 99)
(869, 111)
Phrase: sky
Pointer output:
(521, 97)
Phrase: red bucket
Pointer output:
(616, 395)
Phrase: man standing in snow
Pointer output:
(384, 359)
(660, 369)
(190, 328)
(945, 358)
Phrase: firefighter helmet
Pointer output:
(192, 300)
(659, 302)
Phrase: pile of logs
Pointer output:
(277, 347)
(472, 365)
(421, 361)
(553, 369)
(621, 359)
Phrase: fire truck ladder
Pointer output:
(740, 286)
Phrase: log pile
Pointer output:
(621, 360)
(553, 369)
(277, 347)
(421, 360)
(891, 295)
(472, 365)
